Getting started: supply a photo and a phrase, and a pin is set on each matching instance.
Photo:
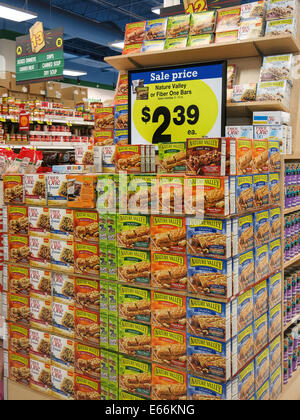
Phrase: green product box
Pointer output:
(106, 194)
(104, 390)
(141, 196)
(112, 261)
(112, 298)
(103, 260)
(133, 231)
(126, 396)
(113, 372)
(135, 376)
(103, 295)
(134, 338)
(134, 304)
(172, 157)
(113, 333)
(102, 227)
(104, 364)
(113, 391)
(103, 329)
(134, 266)
(111, 224)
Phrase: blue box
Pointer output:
(275, 223)
(245, 233)
(260, 296)
(242, 312)
(246, 272)
(244, 193)
(243, 386)
(263, 394)
(274, 322)
(275, 255)
(275, 354)
(261, 227)
(274, 183)
(262, 368)
(242, 349)
(261, 190)
(276, 384)
(203, 389)
(261, 262)
(275, 289)
(261, 333)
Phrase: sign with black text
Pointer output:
(172, 104)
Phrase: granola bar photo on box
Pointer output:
(244, 193)
(168, 271)
(18, 279)
(86, 258)
(277, 67)
(169, 347)
(246, 273)
(86, 226)
(206, 157)
(135, 32)
(57, 190)
(274, 289)
(275, 223)
(156, 29)
(87, 294)
(274, 91)
(281, 9)
(261, 262)
(134, 339)
(274, 182)
(262, 368)
(274, 156)
(17, 220)
(133, 231)
(260, 296)
(18, 336)
(62, 255)
(172, 157)
(244, 93)
(178, 26)
(242, 312)
(261, 337)
(135, 376)
(62, 352)
(243, 349)
(281, 27)
(243, 385)
(228, 19)
(134, 266)
(61, 224)
(87, 360)
(87, 326)
(13, 189)
(261, 227)
(245, 235)
(200, 389)
(40, 345)
(203, 23)
(168, 311)
(39, 221)
(19, 249)
(40, 282)
(168, 234)
(261, 191)
(168, 384)
(134, 304)
(19, 368)
(253, 10)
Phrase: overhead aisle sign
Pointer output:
(40, 55)
(172, 104)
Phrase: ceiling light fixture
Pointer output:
(118, 45)
(15, 14)
(156, 10)
(74, 73)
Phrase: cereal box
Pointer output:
(62, 255)
(245, 233)
(135, 376)
(275, 354)
(203, 23)
(18, 280)
(208, 319)
(274, 181)
(243, 349)
(243, 386)
(18, 337)
(274, 91)
(242, 312)
(13, 189)
(39, 221)
(157, 45)
(260, 295)
(134, 304)
(228, 19)
(210, 277)
(134, 338)
(275, 289)
(133, 231)
(261, 337)
(178, 26)
(168, 234)
(87, 294)
(281, 9)
(62, 383)
(135, 32)
(40, 345)
(198, 40)
(206, 157)
(19, 368)
(63, 319)
(168, 271)
(40, 373)
(169, 347)
(262, 368)
(200, 389)
(244, 93)
(168, 311)
(86, 226)
(17, 220)
(57, 190)
(275, 255)
(87, 360)
(261, 190)
(63, 287)
(19, 249)
(274, 322)
(61, 224)
(275, 223)
(208, 358)
(209, 237)
(113, 332)
(81, 191)
(86, 257)
(134, 266)
(246, 276)
(87, 326)
(41, 313)
(168, 384)
(275, 384)
(40, 252)
(261, 262)
(171, 194)
(244, 193)
(156, 29)
(172, 157)
(35, 189)
(86, 389)
(261, 228)
(18, 309)
(62, 352)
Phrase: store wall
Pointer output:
(7, 55)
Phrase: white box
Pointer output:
(271, 118)
(239, 131)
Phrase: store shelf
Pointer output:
(49, 121)
(295, 319)
(244, 109)
(25, 393)
(239, 49)
(292, 261)
(291, 209)
(50, 133)
(291, 391)
(50, 146)
(294, 156)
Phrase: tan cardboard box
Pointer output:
(68, 93)
(5, 79)
(54, 90)
(68, 103)
(3, 92)
(37, 88)
(18, 95)
(17, 88)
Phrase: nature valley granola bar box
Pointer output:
(18, 280)
(262, 269)
(228, 19)
(261, 191)
(274, 155)
(18, 308)
(274, 186)
(19, 249)
(178, 26)
(113, 298)
(275, 354)
(168, 311)
(171, 194)
(242, 312)
(87, 294)
(17, 220)
(135, 376)
(202, 389)
(19, 368)
(62, 352)
(13, 189)
(40, 345)
(35, 189)
(275, 385)
(209, 319)
(134, 266)
(261, 228)
(172, 158)
(86, 389)
(112, 262)
(241, 154)
(86, 226)
(87, 327)
(274, 322)
(113, 332)
(18, 337)
(168, 271)
(87, 360)
(275, 255)
(275, 289)
(168, 384)
(262, 368)
(103, 327)
(198, 40)
(245, 233)
(168, 234)
(133, 231)
(103, 295)
(57, 190)
(134, 339)
(169, 347)
(243, 349)
(126, 396)
(243, 386)
(62, 383)
(156, 29)
(261, 337)
(260, 297)
(86, 258)
(134, 304)
(135, 32)
(246, 272)
(275, 223)
(244, 193)
(206, 157)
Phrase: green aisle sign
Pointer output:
(47, 64)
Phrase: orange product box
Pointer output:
(40, 252)
(168, 234)
(18, 336)
(40, 345)
(104, 137)
(169, 347)
(39, 221)
(171, 194)
(35, 189)
(121, 96)
(168, 384)
(19, 368)
(104, 118)
(82, 191)
(18, 280)
(87, 326)
(18, 308)
(241, 155)
(168, 271)
(135, 32)
(87, 294)
(86, 226)
(86, 389)
(87, 360)
(18, 248)
(40, 373)
(128, 158)
(17, 220)
(41, 313)
(133, 48)
(168, 311)
(260, 156)
(40, 282)
(13, 189)
(87, 258)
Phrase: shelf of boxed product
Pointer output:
(291, 391)
(69, 121)
(242, 109)
(282, 44)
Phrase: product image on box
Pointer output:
(244, 93)
(35, 189)
(133, 231)
(40, 345)
(39, 221)
(87, 294)
(104, 118)
(208, 319)
(41, 313)
(261, 228)
(178, 26)
(140, 195)
(261, 191)
(242, 312)
(156, 29)
(86, 226)
(19, 249)
(206, 157)
(245, 235)
(172, 157)
(135, 376)
(281, 9)
(168, 271)
(274, 289)
(261, 337)
(13, 189)
(275, 223)
(243, 346)
(87, 360)
(62, 255)
(168, 234)
(168, 311)
(246, 269)
(61, 224)
(63, 288)
(17, 220)
(275, 385)
(134, 304)
(87, 326)
(274, 182)
(243, 386)
(277, 67)
(168, 384)
(63, 319)
(86, 257)
(18, 309)
(202, 23)
(57, 190)
(18, 339)
(18, 280)
(121, 117)
(260, 295)
(19, 368)
(262, 268)
(134, 338)
(275, 354)
(243, 153)
(262, 368)
(62, 383)
(244, 193)
(62, 352)
(274, 91)
(169, 347)
(86, 389)
(135, 32)
(171, 194)
(134, 266)
(200, 389)
(228, 19)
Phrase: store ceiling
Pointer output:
(91, 26)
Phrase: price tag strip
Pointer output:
(175, 103)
